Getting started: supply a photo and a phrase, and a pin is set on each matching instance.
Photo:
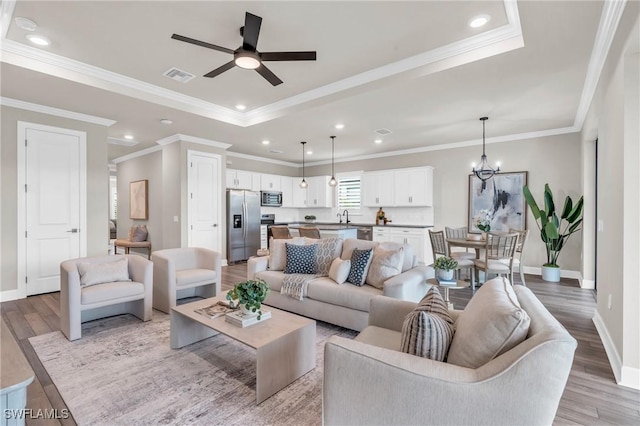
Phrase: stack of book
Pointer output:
(451, 282)
(242, 319)
(216, 310)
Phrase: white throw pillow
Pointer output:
(278, 251)
(339, 270)
(492, 323)
(384, 265)
(103, 272)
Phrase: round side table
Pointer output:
(458, 285)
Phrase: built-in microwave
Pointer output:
(271, 198)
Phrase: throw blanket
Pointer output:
(295, 285)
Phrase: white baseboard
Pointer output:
(8, 295)
(224, 262)
(563, 274)
(625, 376)
(588, 284)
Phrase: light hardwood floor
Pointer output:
(591, 397)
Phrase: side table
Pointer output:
(458, 285)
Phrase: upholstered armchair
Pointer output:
(184, 272)
(98, 287)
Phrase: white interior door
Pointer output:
(204, 200)
(52, 206)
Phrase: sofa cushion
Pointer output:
(428, 330)
(278, 252)
(360, 261)
(187, 277)
(409, 259)
(492, 323)
(351, 243)
(347, 295)
(110, 291)
(273, 278)
(339, 270)
(384, 265)
(328, 249)
(301, 259)
(92, 273)
(380, 337)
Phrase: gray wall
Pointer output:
(239, 163)
(613, 120)
(97, 186)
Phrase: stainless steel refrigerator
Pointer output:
(243, 224)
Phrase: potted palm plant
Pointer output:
(249, 296)
(554, 231)
(444, 266)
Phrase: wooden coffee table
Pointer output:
(285, 344)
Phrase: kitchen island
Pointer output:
(328, 230)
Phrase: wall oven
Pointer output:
(271, 198)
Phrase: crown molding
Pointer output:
(262, 159)
(43, 109)
(137, 154)
(193, 139)
(123, 142)
(609, 20)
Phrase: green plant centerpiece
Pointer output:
(249, 294)
(444, 266)
(310, 218)
(554, 231)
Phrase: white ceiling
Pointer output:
(415, 68)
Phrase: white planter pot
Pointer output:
(442, 274)
(551, 274)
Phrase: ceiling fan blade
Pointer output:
(268, 75)
(201, 43)
(221, 69)
(251, 31)
(288, 56)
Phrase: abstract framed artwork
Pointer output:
(139, 200)
(502, 197)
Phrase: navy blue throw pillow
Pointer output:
(301, 259)
(360, 261)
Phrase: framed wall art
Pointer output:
(502, 198)
(139, 199)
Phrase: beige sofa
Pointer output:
(520, 386)
(345, 305)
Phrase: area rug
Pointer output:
(122, 372)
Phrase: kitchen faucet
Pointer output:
(346, 212)
(340, 217)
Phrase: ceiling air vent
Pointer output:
(178, 75)
(275, 151)
(383, 132)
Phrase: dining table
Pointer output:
(467, 243)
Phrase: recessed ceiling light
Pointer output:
(241, 107)
(265, 142)
(25, 24)
(339, 126)
(378, 141)
(478, 21)
(128, 137)
(309, 152)
(166, 121)
(40, 40)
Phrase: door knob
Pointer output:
(73, 230)
(215, 225)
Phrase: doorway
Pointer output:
(51, 204)
(204, 201)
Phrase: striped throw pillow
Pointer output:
(428, 330)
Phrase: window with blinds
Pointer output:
(349, 192)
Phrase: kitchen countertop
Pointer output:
(335, 225)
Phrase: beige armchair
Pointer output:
(368, 381)
(82, 303)
(185, 272)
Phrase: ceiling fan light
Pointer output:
(247, 60)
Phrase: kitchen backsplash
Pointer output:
(398, 215)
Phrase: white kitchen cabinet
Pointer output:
(270, 182)
(239, 179)
(377, 188)
(286, 186)
(319, 193)
(255, 181)
(415, 237)
(413, 187)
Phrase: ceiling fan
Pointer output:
(247, 56)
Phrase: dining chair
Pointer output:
(309, 231)
(459, 234)
(280, 232)
(518, 262)
(439, 247)
(498, 256)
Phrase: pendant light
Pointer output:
(303, 182)
(484, 171)
(333, 182)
